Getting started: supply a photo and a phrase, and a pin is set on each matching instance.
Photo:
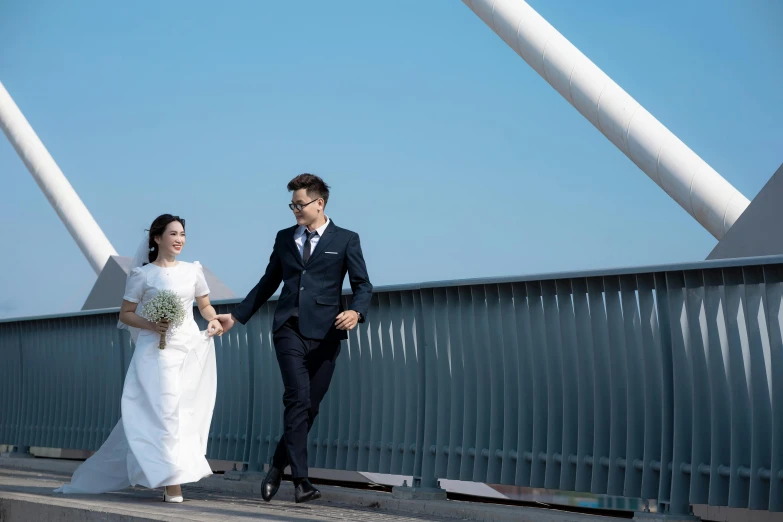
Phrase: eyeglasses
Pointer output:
(298, 206)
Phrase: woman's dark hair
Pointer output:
(157, 229)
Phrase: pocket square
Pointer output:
(335, 253)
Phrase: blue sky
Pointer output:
(447, 153)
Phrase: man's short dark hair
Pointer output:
(315, 186)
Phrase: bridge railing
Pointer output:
(661, 383)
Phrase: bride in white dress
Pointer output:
(169, 394)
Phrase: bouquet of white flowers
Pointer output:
(166, 306)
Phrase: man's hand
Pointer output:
(347, 320)
(227, 321)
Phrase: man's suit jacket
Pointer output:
(318, 283)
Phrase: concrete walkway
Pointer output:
(26, 495)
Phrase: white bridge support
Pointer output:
(674, 167)
(77, 219)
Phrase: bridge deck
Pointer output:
(26, 494)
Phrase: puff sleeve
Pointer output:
(134, 287)
(202, 288)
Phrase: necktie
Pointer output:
(306, 250)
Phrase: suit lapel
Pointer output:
(329, 234)
(291, 242)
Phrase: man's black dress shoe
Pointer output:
(271, 484)
(305, 492)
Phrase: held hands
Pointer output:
(227, 322)
(214, 328)
(347, 320)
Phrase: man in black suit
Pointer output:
(311, 260)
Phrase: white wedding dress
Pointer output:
(167, 400)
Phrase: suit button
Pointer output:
(304, 272)
(301, 288)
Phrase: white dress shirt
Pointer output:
(299, 237)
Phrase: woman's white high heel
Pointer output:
(174, 499)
